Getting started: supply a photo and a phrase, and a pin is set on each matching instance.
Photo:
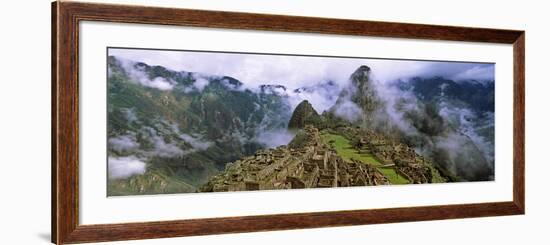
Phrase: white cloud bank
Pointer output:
(138, 74)
(124, 167)
(275, 137)
(295, 72)
(196, 142)
(123, 143)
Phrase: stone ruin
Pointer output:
(399, 156)
(312, 165)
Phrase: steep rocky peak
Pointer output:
(361, 76)
(303, 114)
(360, 92)
(304, 103)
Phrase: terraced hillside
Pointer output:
(345, 150)
(309, 163)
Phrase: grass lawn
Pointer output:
(346, 151)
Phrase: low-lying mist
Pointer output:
(124, 167)
(440, 123)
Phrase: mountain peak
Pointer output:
(361, 76)
(360, 92)
(303, 114)
(363, 68)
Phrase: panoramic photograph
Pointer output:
(204, 121)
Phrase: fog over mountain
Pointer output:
(187, 114)
(296, 72)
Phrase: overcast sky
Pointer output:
(299, 71)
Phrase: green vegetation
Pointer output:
(346, 151)
(153, 121)
(393, 176)
(152, 182)
(304, 114)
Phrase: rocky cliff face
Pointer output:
(361, 91)
(359, 101)
(303, 114)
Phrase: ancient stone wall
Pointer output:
(311, 166)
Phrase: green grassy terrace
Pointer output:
(347, 152)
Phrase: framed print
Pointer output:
(176, 122)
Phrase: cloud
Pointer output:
(460, 149)
(294, 72)
(321, 96)
(200, 81)
(164, 149)
(251, 69)
(196, 142)
(468, 123)
(123, 143)
(349, 111)
(274, 138)
(137, 74)
(479, 73)
(161, 147)
(130, 114)
(124, 167)
(389, 70)
(159, 83)
(396, 104)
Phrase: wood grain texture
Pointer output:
(519, 123)
(149, 230)
(65, 124)
(54, 122)
(234, 20)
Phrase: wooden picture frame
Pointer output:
(65, 121)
